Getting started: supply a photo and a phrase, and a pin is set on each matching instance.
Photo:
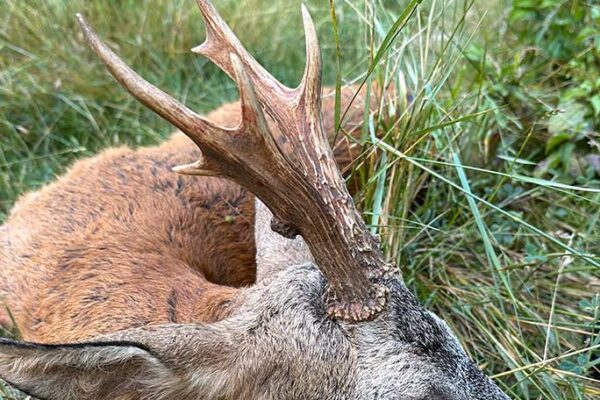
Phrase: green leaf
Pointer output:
(571, 118)
(556, 140)
(595, 102)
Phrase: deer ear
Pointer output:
(155, 362)
(273, 251)
(109, 370)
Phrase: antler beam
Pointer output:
(299, 181)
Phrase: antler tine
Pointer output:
(252, 114)
(205, 134)
(251, 149)
(216, 143)
(310, 86)
(220, 41)
(154, 98)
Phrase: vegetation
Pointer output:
(485, 186)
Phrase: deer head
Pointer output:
(328, 316)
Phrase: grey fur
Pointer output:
(279, 344)
(274, 252)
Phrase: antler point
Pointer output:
(305, 13)
(82, 22)
(197, 168)
(198, 49)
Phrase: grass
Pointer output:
(484, 187)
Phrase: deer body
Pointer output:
(327, 316)
(279, 344)
(122, 241)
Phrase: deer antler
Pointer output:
(301, 185)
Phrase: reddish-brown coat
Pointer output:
(121, 241)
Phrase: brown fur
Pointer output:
(121, 241)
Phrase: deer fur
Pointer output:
(121, 241)
(279, 338)
(278, 344)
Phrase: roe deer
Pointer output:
(121, 241)
(328, 317)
